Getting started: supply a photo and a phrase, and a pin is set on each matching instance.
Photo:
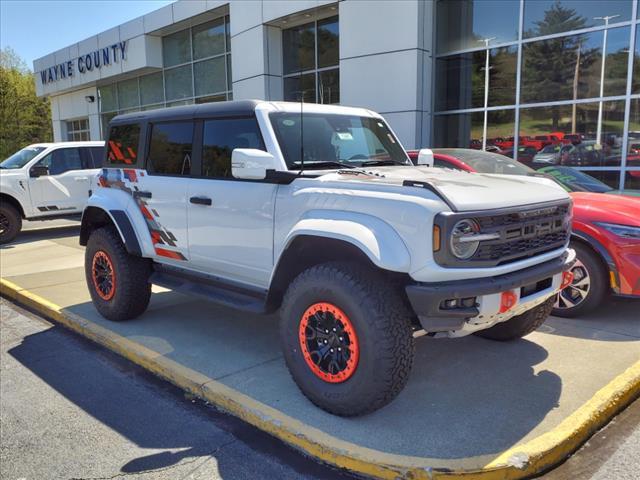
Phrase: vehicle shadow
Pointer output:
(49, 233)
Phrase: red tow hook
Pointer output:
(508, 300)
(567, 279)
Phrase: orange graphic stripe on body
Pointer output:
(146, 212)
(169, 254)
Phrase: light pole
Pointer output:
(486, 90)
(604, 56)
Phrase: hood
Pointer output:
(601, 207)
(464, 191)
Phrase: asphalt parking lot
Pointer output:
(467, 403)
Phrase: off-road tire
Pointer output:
(599, 283)
(132, 287)
(382, 324)
(9, 214)
(520, 325)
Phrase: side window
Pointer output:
(170, 148)
(219, 139)
(62, 160)
(123, 145)
(94, 157)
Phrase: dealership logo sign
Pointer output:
(85, 63)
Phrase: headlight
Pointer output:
(463, 241)
(625, 231)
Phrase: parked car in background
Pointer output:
(606, 228)
(606, 237)
(584, 154)
(553, 154)
(45, 181)
(526, 154)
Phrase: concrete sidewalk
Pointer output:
(468, 400)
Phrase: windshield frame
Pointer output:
(15, 162)
(394, 153)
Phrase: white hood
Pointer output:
(465, 191)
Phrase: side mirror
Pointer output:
(38, 171)
(251, 164)
(425, 157)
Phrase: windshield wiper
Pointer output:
(380, 163)
(308, 165)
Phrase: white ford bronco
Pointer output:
(320, 213)
(46, 181)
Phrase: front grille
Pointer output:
(522, 234)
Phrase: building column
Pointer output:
(386, 63)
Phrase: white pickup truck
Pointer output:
(46, 181)
(321, 214)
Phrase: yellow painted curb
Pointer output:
(518, 462)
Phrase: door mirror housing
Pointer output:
(252, 164)
(38, 171)
(425, 157)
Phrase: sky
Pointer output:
(36, 28)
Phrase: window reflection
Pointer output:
(465, 130)
(545, 17)
(632, 182)
(460, 79)
(461, 23)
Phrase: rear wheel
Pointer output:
(10, 223)
(520, 325)
(118, 282)
(347, 338)
(589, 285)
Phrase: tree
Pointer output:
(24, 118)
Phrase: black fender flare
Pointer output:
(604, 254)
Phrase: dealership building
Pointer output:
(514, 74)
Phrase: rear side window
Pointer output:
(94, 156)
(170, 148)
(122, 148)
(219, 139)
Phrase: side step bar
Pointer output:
(213, 291)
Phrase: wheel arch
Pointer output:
(14, 202)
(601, 253)
(95, 217)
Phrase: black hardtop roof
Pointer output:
(205, 110)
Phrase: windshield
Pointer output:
(486, 162)
(334, 140)
(21, 157)
(575, 180)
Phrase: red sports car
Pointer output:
(605, 233)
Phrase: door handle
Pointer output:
(200, 200)
(141, 194)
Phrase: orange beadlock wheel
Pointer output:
(103, 275)
(328, 342)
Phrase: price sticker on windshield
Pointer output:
(344, 135)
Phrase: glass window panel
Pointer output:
(170, 148)
(220, 137)
(329, 86)
(180, 102)
(106, 118)
(229, 82)
(635, 86)
(176, 48)
(128, 93)
(123, 144)
(569, 68)
(544, 17)
(152, 107)
(297, 87)
(608, 177)
(210, 76)
(208, 39)
(298, 48)
(328, 47)
(566, 134)
(151, 89)
(228, 33)
(108, 98)
(631, 182)
(463, 23)
(460, 79)
(465, 130)
(211, 99)
(177, 82)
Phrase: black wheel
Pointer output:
(520, 325)
(589, 285)
(10, 223)
(347, 338)
(118, 282)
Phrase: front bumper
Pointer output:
(530, 286)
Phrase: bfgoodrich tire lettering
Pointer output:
(130, 291)
(520, 325)
(10, 223)
(381, 322)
